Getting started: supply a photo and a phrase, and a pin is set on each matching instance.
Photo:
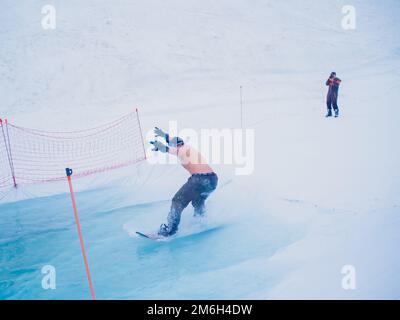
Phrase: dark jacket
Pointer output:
(333, 83)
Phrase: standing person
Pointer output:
(331, 100)
(201, 183)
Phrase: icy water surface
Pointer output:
(211, 258)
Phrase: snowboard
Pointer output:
(156, 237)
(151, 236)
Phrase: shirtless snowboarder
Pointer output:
(201, 183)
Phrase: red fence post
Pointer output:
(78, 226)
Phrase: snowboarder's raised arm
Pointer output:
(172, 143)
(159, 146)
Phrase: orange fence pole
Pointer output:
(78, 226)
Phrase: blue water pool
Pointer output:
(222, 260)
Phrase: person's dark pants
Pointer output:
(331, 100)
(195, 190)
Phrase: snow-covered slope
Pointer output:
(337, 180)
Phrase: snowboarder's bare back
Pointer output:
(191, 159)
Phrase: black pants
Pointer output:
(331, 100)
(195, 190)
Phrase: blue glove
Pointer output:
(159, 133)
(159, 146)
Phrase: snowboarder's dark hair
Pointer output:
(333, 73)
